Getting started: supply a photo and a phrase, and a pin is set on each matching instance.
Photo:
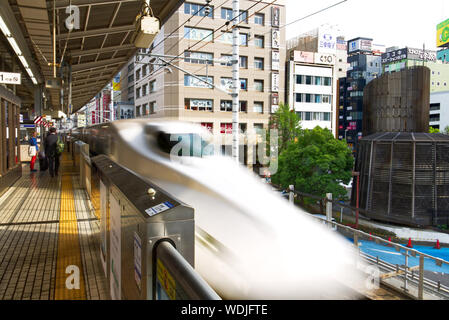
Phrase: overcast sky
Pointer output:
(389, 22)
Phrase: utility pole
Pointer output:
(235, 80)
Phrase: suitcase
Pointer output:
(43, 164)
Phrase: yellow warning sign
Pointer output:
(166, 280)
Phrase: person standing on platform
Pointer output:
(51, 152)
(33, 143)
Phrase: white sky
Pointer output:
(389, 22)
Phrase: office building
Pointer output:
(364, 60)
(311, 88)
(439, 110)
(314, 58)
(172, 78)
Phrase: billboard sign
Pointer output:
(275, 16)
(360, 44)
(323, 58)
(443, 34)
(275, 60)
(420, 54)
(275, 82)
(303, 56)
(10, 78)
(275, 39)
(394, 56)
(327, 41)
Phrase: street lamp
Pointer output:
(357, 174)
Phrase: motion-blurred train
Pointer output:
(250, 242)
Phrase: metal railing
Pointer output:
(420, 283)
(171, 268)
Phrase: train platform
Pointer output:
(48, 231)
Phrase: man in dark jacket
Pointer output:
(51, 152)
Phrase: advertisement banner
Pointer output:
(275, 16)
(327, 41)
(443, 34)
(393, 56)
(360, 45)
(303, 56)
(275, 82)
(275, 39)
(275, 60)
(324, 58)
(420, 54)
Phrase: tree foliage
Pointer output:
(316, 163)
(287, 123)
(433, 130)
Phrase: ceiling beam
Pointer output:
(62, 4)
(83, 66)
(79, 53)
(95, 32)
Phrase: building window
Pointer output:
(434, 117)
(243, 84)
(258, 63)
(243, 127)
(326, 116)
(259, 41)
(299, 97)
(326, 99)
(152, 86)
(145, 109)
(258, 107)
(318, 98)
(199, 57)
(198, 104)
(144, 90)
(243, 106)
(198, 10)
(243, 16)
(258, 85)
(308, 98)
(144, 71)
(226, 14)
(244, 39)
(259, 19)
(308, 80)
(198, 34)
(208, 125)
(153, 107)
(226, 128)
(258, 127)
(299, 79)
(318, 81)
(138, 75)
(327, 81)
(137, 93)
(190, 81)
(226, 105)
(227, 60)
(138, 114)
(243, 62)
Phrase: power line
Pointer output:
(212, 33)
(290, 23)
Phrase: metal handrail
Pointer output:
(187, 279)
(433, 286)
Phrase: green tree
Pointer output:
(433, 130)
(287, 123)
(316, 164)
(446, 130)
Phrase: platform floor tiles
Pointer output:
(44, 223)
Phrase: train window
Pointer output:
(184, 145)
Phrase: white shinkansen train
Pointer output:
(250, 243)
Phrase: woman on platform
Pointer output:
(33, 143)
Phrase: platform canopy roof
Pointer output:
(96, 51)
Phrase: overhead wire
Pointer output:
(212, 33)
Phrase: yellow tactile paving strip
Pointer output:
(69, 250)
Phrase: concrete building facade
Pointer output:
(200, 43)
(439, 110)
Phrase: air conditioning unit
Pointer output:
(147, 29)
(53, 83)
